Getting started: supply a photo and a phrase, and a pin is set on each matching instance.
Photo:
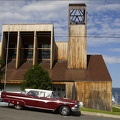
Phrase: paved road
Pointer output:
(33, 114)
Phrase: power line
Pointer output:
(49, 35)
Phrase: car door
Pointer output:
(41, 100)
(33, 100)
(45, 101)
(52, 101)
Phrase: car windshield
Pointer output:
(55, 95)
(33, 93)
(23, 92)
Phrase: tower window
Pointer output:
(77, 16)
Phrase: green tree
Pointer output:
(36, 78)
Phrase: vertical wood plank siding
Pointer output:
(77, 47)
(61, 50)
(96, 95)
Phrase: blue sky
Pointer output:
(103, 24)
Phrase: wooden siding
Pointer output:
(52, 49)
(96, 95)
(3, 51)
(61, 50)
(18, 51)
(77, 47)
(27, 27)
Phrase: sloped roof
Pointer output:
(96, 71)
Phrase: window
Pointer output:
(44, 45)
(42, 94)
(28, 54)
(12, 46)
(77, 16)
(12, 54)
(44, 54)
(33, 93)
(28, 46)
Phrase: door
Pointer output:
(60, 90)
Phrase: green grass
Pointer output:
(115, 111)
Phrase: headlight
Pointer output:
(81, 104)
(76, 106)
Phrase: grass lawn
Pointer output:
(115, 111)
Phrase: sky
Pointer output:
(103, 24)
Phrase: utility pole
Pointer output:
(6, 58)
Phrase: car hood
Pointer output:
(67, 100)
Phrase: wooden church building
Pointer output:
(74, 74)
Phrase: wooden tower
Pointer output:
(77, 55)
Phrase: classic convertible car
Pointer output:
(42, 99)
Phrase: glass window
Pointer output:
(12, 46)
(63, 89)
(28, 46)
(33, 93)
(54, 95)
(28, 54)
(12, 54)
(44, 54)
(59, 89)
(44, 46)
(47, 94)
(42, 94)
(25, 45)
(54, 89)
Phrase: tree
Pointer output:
(36, 78)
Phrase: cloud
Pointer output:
(94, 41)
(56, 12)
(112, 7)
(17, 16)
(117, 22)
(45, 6)
(111, 60)
(115, 50)
(103, 24)
(38, 7)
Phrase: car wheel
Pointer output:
(64, 110)
(18, 107)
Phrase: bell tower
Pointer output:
(77, 55)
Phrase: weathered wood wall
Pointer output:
(96, 95)
(77, 55)
(61, 50)
(27, 27)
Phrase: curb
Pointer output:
(99, 114)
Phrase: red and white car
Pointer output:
(42, 99)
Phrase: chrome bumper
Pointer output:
(75, 109)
